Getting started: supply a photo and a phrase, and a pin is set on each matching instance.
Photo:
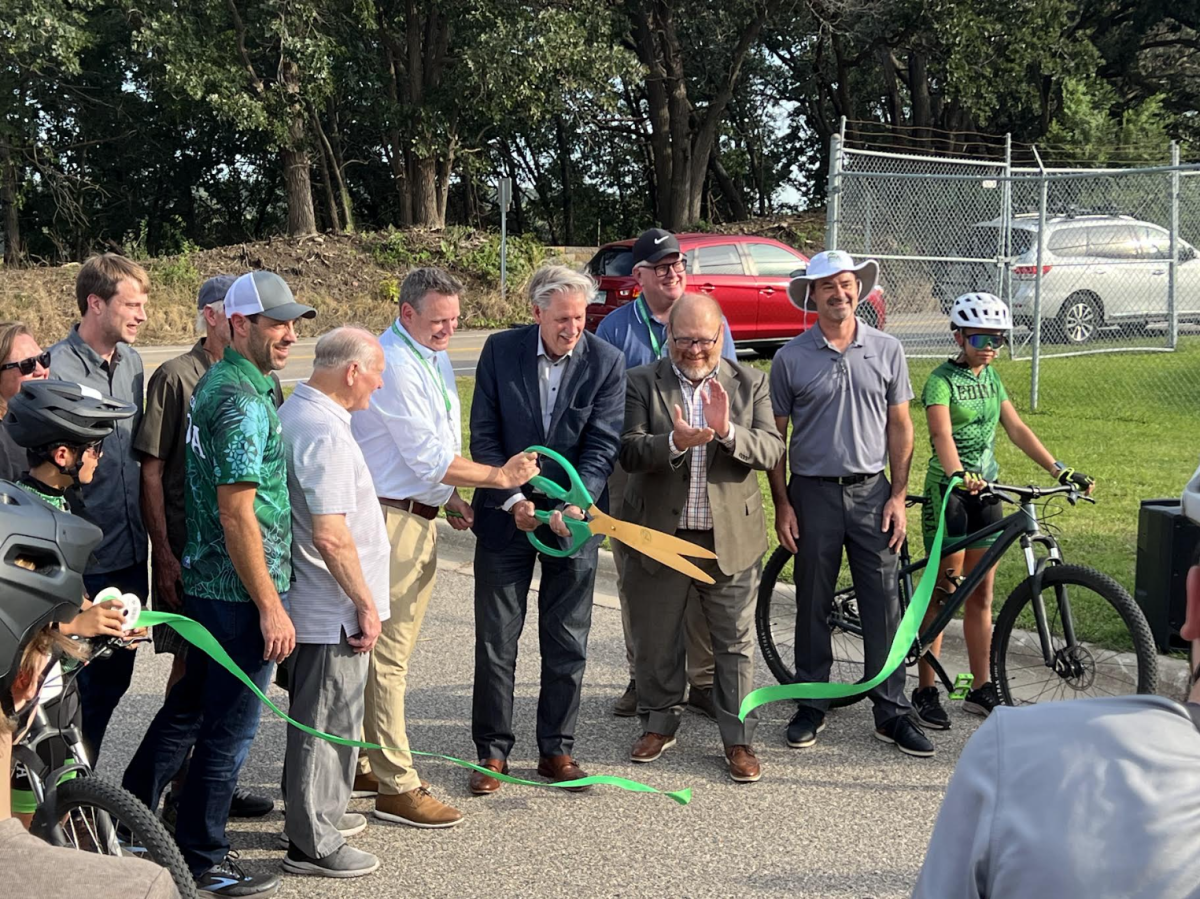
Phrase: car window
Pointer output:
(1112, 242)
(772, 260)
(1154, 244)
(615, 261)
(983, 242)
(721, 259)
(1068, 243)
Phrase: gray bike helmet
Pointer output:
(62, 413)
(59, 545)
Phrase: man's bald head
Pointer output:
(694, 308)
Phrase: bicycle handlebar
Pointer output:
(1032, 491)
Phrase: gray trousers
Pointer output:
(832, 517)
(657, 616)
(327, 683)
(697, 641)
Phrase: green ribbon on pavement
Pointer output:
(199, 636)
(906, 633)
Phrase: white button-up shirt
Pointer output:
(550, 375)
(407, 435)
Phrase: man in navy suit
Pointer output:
(555, 385)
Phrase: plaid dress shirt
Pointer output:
(697, 513)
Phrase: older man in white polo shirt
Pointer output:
(338, 601)
(411, 436)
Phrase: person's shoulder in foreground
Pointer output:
(34, 869)
(1096, 798)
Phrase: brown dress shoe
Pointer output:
(558, 768)
(480, 784)
(650, 746)
(743, 764)
(365, 786)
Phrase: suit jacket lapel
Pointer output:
(529, 374)
(576, 363)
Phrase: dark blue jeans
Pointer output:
(212, 710)
(103, 682)
(502, 582)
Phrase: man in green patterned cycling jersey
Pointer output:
(236, 572)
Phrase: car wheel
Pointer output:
(1079, 319)
(868, 314)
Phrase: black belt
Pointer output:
(429, 513)
(849, 480)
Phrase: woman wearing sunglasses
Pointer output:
(964, 401)
(21, 360)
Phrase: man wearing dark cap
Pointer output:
(236, 572)
(639, 330)
(160, 440)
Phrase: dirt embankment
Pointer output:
(349, 278)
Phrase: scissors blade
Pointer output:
(637, 537)
(678, 562)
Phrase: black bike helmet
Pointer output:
(62, 413)
(59, 545)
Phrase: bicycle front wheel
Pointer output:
(94, 815)
(775, 622)
(1111, 654)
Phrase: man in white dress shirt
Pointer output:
(411, 437)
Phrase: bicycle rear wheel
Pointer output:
(1112, 654)
(775, 622)
(94, 815)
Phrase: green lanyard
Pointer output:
(433, 373)
(654, 343)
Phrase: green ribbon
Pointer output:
(906, 633)
(198, 635)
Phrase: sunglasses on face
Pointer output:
(986, 341)
(27, 366)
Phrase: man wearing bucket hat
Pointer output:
(236, 573)
(843, 386)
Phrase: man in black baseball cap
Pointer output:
(655, 246)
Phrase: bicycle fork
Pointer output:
(1061, 662)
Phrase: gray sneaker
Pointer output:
(345, 861)
(348, 825)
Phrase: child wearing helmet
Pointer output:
(62, 425)
(964, 402)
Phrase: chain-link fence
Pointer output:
(1089, 261)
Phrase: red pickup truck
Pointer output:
(747, 275)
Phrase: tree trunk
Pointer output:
(922, 106)
(14, 251)
(338, 161)
(331, 206)
(564, 174)
(733, 196)
(301, 218)
(425, 192)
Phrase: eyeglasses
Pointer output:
(687, 343)
(679, 266)
(96, 447)
(27, 366)
(986, 341)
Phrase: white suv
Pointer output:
(1097, 271)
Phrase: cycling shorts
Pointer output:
(965, 514)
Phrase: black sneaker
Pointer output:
(908, 737)
(250, 805)
(805, 725)
(982, 700)
(929, 709)
(227, 879)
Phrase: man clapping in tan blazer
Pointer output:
(697, 428)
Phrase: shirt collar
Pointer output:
(638, 305)
(818, 339)
(542, 352)
(425, 351)
(249, 371)
(90, 357)
(310, 394)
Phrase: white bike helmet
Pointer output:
(980, 310)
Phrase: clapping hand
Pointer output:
(687, 436)
(716, 407)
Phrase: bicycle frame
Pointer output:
(1021, 526)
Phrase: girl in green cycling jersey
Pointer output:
(964, 401)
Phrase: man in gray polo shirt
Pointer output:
(843, 386)
(340, 557)
(111, 292)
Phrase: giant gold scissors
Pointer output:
(661, 547)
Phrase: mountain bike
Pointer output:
(1066, 630)
(78, 809)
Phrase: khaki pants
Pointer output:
(413, 571)
(698, 642)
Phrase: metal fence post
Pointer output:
(833, 207)
(1173, 270)
(1005, 285)
(1035, 367)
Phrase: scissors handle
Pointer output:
(576, 495)
(581, 533)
